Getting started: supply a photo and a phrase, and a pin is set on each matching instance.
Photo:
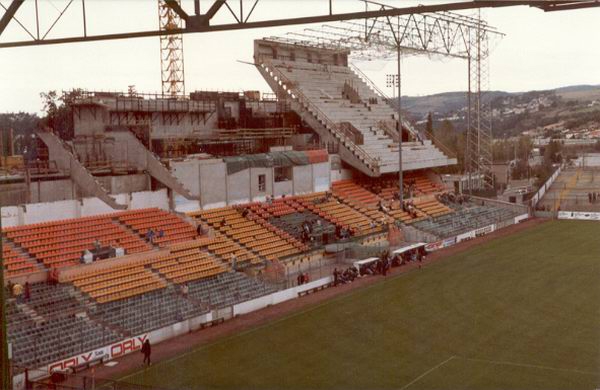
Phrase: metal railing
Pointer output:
(295, 94)
(440, 145)
(390, 102)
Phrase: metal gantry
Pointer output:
(235, 15)
(171, 50)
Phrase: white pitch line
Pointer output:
(427, 372)
(499, 362)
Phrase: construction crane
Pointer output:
(171, 50)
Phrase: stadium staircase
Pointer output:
(145, 160)
(342, 108)
(68, 162)
(17, 261)
(329, 131)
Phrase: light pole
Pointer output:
(394, 81)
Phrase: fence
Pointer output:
(540, 193)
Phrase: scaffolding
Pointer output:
(171, 50)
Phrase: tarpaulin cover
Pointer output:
(273, 159)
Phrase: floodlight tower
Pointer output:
(171, 51)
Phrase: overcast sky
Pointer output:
(540, 51)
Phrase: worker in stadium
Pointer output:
(146, 351)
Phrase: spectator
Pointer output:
(245, 213)
(27, 291)
(233, 261)
(200, 230)
(161, 233)
(150, 235)
(146, 351)
(97, 244)
(335, 277)
(299, 279)
(17, 291)
(306, 278)
(185, 290)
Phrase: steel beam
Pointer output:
(175, 6)
(200, 23)
(214, 8)
(10, 12)
(570, 5)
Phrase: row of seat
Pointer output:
(188, 262)
(348, 189)
(252, 231)
(174, 229)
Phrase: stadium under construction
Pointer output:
(169, 213)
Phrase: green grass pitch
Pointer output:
(517, 312)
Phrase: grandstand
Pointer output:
(155, 244)
(342, 106)
(94, 305)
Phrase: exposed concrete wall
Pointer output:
(209, 180)
(13, 193)
(86, 123)
(128, 183)
(65, 189)
(52, 191)
(213, 183)
(321, 177)
(93, 121)
(238, 187)
(188, 174)
(283, 188)
(303, 179)
(340, 174)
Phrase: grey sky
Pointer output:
(541, 50)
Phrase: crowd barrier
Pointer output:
(540, 193)
(482, 231)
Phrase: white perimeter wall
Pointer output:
(66, 209)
